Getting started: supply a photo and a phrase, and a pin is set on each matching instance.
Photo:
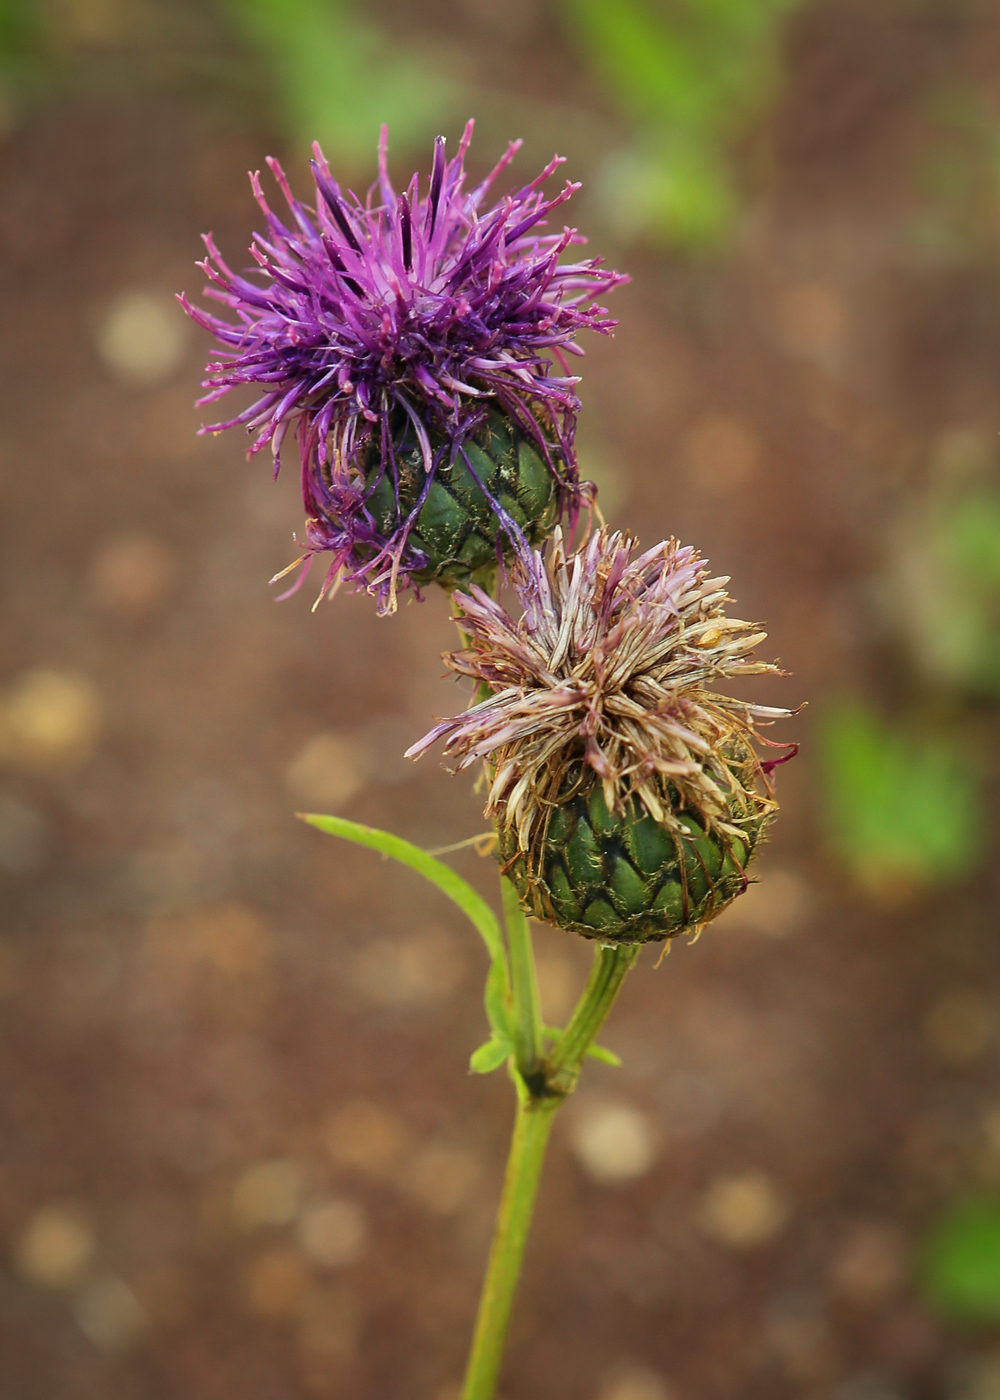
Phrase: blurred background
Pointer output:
(242, 1156)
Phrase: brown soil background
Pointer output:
(194, 983)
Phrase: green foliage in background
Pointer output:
(962, 619)
(965, 559)
(21, 35)
(58, 49)
(692, 76)
(23, 55)
(322, 69)
(337, 77)
(970, 539)
(958, 174)
(900, 810)
(943, 583)
(960, 1265)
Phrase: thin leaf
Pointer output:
(458, 891)
(490, 1056)
(497, 1000)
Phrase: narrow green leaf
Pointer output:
(490, 1056)
(497, 999)
(458, 890)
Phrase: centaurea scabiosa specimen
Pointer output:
(627, 790)
(417, 344)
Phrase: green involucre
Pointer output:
(458, 528)
(625, 878)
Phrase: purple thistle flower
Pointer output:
(384, 333)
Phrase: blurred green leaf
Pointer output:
(682, 193)
(692, 78)
(899, 809)
(490, 1056)
(338, 79)
(960, 1265)
(27, 59)
(22, 33)
(958, 169)
(945, 586)
(970, 538)
(497, 999)
(704, 66)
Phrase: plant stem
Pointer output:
(607, 974)
(528, 1044)
(542, 1086)
(524, 1168)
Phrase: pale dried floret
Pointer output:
(611, 667)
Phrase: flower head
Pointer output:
(384, 331)
(604, 688)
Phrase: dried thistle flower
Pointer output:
(628, 794)
(417, 346)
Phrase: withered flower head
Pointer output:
(627, 790)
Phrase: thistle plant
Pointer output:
(416, 346)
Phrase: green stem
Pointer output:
(542, 1086)
(528, 1043)
(524, 1168)
(607, 974)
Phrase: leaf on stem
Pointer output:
(458, 890)
(490, 1056)
(498, 1001)
(475, 908)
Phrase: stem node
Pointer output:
(545, 1080)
